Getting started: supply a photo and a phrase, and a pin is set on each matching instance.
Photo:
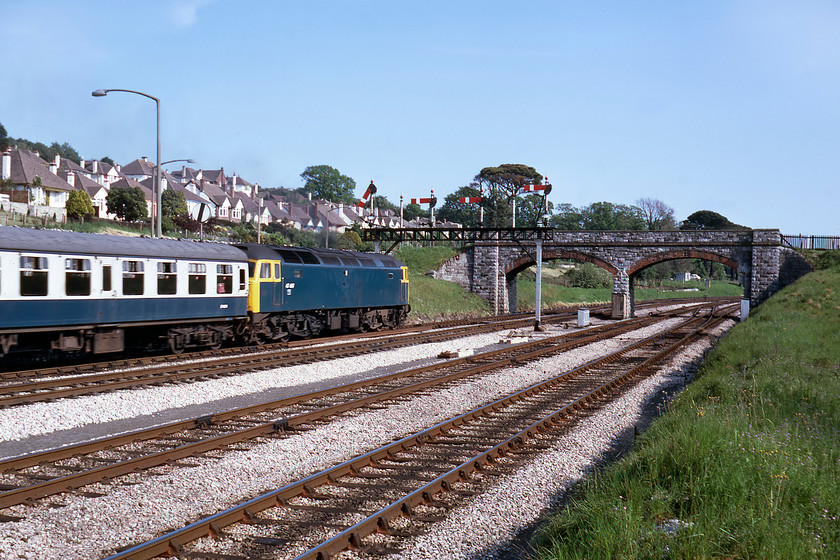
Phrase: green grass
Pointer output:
(556, 295)
(747, 458)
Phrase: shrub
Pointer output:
(588, 275)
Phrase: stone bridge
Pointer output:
(489, 267)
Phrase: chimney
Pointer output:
(82, 163)
(119, 168)
(71, 178)
(95, 167)
(6, 167)
(54, 167)
(57, 161)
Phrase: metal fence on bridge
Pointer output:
(823, 242)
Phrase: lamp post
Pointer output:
(156, 194)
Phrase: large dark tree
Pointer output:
(4, 139)
(328, 183)
(501, 184)
(706, 219)
(128, 203)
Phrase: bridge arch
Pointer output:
(663, 256)
(515, 267)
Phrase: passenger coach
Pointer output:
(77, 292)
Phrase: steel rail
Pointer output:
(68, 386)
(514, 320)
(485, 361)
(172, 543)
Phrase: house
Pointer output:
(139, 169)
(34, 176)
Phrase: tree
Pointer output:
(412, 211)
(531, 209)
(108, 160)
(328, 183)
(567, 218)
(128, 203)
(501, 184)
(173, 203)
(4, 139)
(466, 214)
(706, 219)
(350, 241)
(79, 205)
(656, 214)
(606, 216)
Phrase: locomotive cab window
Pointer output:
(224, 278)
(265, 270)
(197, 278)
(77, 277)
(33, 276)
(132, 278)
(167, 279)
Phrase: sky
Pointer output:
(729, 106)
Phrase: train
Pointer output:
(68, 293)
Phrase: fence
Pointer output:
(821, 242)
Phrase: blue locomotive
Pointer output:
(90, 293)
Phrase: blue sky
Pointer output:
(712, 105)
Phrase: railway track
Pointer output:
(35, 476)
(45, 386)
(49, 384)
(371, 501)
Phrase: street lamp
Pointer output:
(156, 194)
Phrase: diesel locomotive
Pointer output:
(78, 293)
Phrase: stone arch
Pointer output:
(681, 254)
(513, 268)
(663, 256)
(517, 266)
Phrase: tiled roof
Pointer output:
(26, 166)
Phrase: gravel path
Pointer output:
(93, 527)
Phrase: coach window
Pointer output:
(242, 283)
(132, 278)
(167, 278)
(33, 276)
(198, 278)
(77, 277)
(106, 278)
(224, 279)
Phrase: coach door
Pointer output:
(278, 286)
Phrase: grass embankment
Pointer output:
(433, 299)
(747, 460)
